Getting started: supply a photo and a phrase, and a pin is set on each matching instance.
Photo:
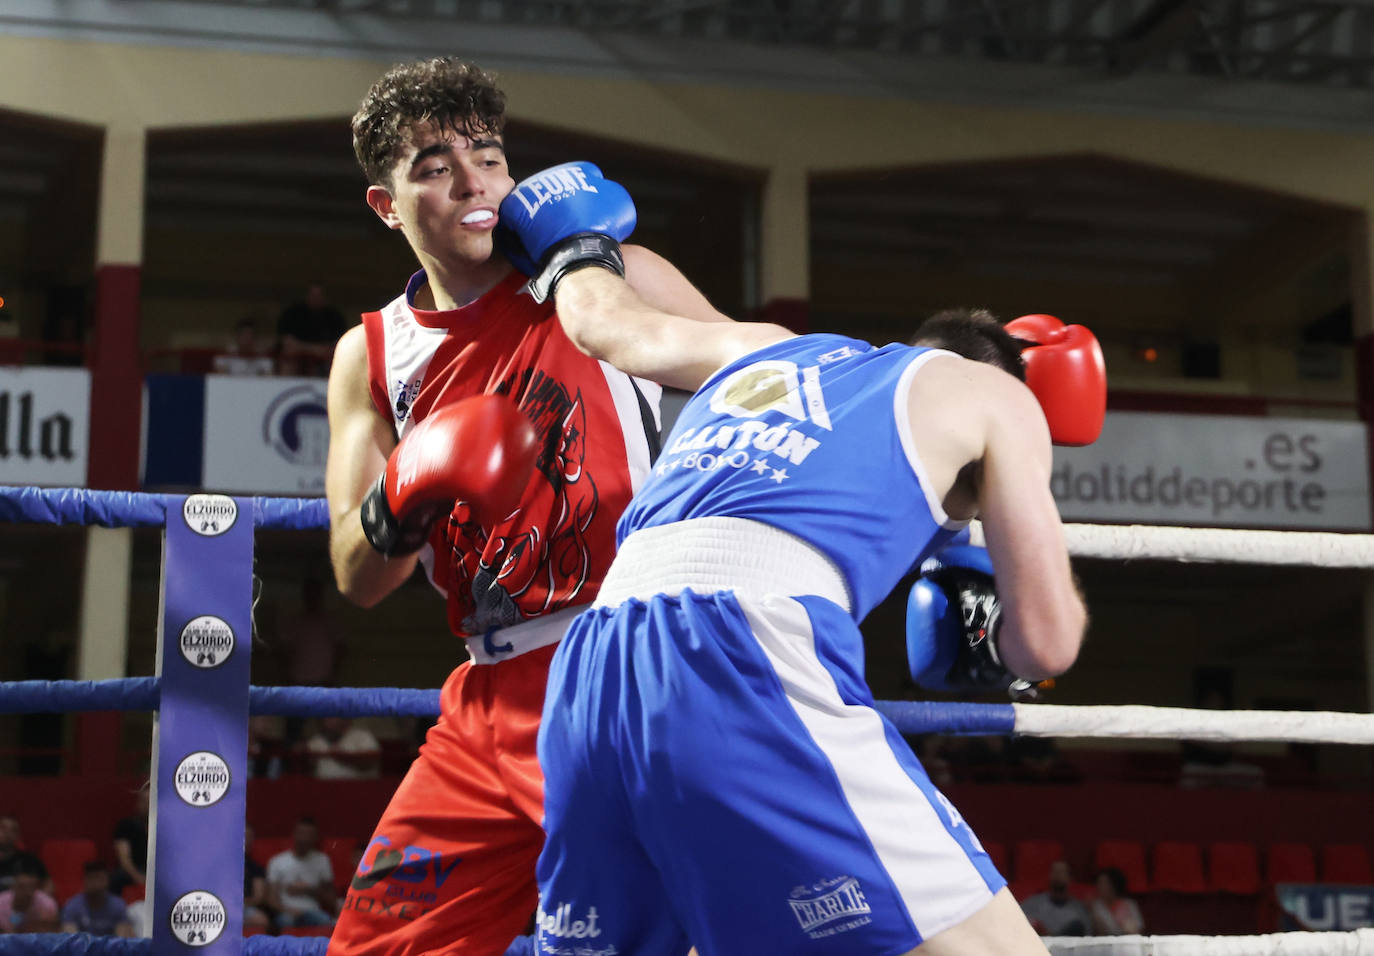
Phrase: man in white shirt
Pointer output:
(300, 881)
(346, 751)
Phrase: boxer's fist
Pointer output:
(953, 617)
(1065, 370)
(480, 450)
(562, 219)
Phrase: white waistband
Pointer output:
(504, 643)
(750, 558)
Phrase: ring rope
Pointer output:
(1324, 549)
(1296, 726)
(910, 717)
(1358, 942)
(85, 944)
(1327, 549)
(136, 509)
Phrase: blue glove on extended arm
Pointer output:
(952, 624)
(561, 219)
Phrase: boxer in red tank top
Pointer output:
(450, 866)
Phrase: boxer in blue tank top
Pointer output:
(716, 774)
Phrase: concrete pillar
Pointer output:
(785, 253)
(116, 406)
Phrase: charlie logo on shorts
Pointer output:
(206, 641)
(817, 907)
(197, 918)
(209, 515)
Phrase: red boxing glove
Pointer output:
(1065, 370)
(481, 450)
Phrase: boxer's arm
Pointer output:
(662, 286)
(1042, 613)
(609, 319)
(359, 442)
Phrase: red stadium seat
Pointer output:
(1178, 867)
(264, 848)
(1032, 860)
(65, 860)
(1128, 856)
(340, 853)
(998, 853)
(133, 893)
(1290, 863)
(1233, 868)
(1346, 863)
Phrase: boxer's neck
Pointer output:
(449, 289)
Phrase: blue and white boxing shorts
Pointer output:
(716, 775)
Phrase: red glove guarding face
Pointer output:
(1065, 370)
(481, 450)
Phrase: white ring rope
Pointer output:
(1181, 723)
(1360, 942)
(1314, 548)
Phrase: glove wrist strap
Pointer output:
(388, 535)
(576, 252)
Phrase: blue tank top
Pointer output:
(809, 435)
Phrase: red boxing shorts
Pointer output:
(450, 867)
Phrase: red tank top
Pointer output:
(599, 428)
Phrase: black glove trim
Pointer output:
(978, 664)
(576, 252)
(384, 532)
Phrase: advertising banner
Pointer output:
(44, 425)
(1326, 907)
(265, 435)
(1217, 470)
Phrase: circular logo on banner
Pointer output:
(209, 514)
(207, 641)
(202, 778)
(197, 918)
(296, 426)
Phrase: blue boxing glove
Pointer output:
(564, 218)
(952, 622)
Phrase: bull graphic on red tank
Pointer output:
(540, 561)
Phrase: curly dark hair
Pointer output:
(975, 334)
(456, 96)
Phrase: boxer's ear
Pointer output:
(382, 203)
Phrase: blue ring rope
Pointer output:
(141, 693)
(84, 944)
(134, 509)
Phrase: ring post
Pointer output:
(201, 731)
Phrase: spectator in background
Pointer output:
(1115, 914)
(65, 336)
(244, 357)
(931, 751)
(255, 905)
(307, 332)
(264, 747)
(24, 908)
(11, 848)
(1213, 763)
(131, 845)
(314, 648)
(1056, 912)
(345, 751)
(95, 909)
(300, 881)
